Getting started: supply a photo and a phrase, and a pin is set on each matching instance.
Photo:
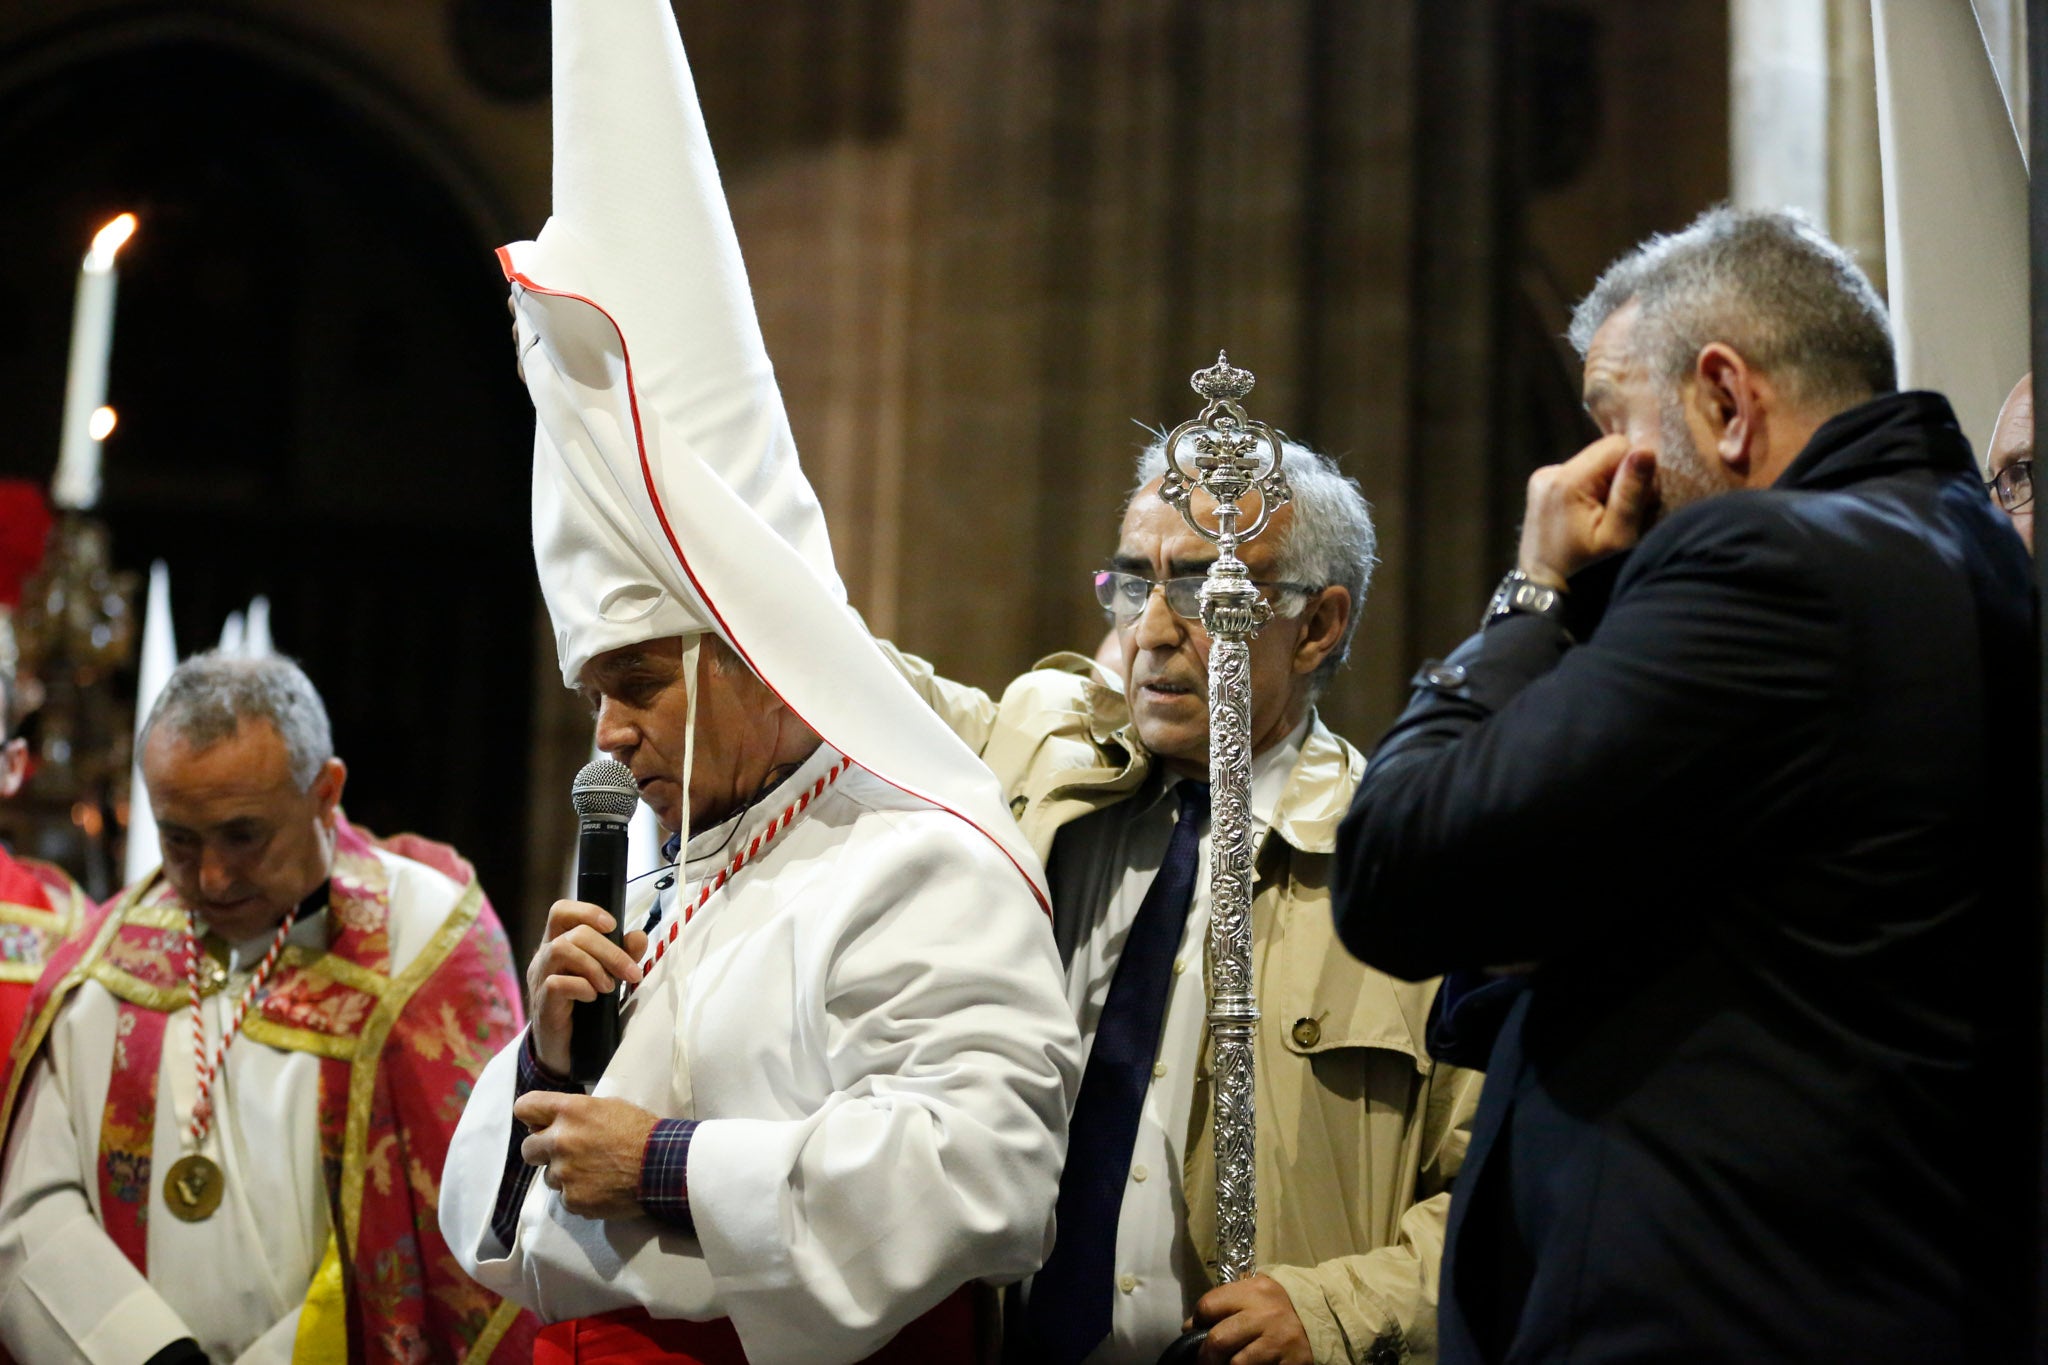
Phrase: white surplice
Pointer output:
(235, 1281)
(869, 1024)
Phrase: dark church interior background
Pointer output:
(987, 241)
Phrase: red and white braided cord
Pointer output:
(763, 837)
(209, 1067)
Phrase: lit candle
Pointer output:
(77, 485)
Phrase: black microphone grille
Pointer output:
(605, 787)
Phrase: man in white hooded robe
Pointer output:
(840, 1097)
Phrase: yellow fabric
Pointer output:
(1359, 1132)
(323, 1321)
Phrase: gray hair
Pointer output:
(208, 696)
(1330, 543)
(1771, 285)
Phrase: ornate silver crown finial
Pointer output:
(1230, 456)
(1223, 381)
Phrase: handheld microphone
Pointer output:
(604, 795)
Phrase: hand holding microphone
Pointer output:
(573, 979)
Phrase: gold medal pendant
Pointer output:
(194, 1185)
(193, 1188)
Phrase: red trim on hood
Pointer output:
(661, 514)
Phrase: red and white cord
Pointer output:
(763, 837)
(209, 1067)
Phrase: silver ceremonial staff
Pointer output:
(1232, 456)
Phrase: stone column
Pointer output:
(1778, 111)
(1803, 117)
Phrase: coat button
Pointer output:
(1127, 1283)
(1444, 675)
(1307, 1033)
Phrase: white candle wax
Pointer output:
(77, 485)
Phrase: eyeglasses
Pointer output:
(2014, 486)
(1124, 595)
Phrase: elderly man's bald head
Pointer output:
(2011, 466)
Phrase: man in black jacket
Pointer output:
(1737, 780)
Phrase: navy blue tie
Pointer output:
(1069, 1310)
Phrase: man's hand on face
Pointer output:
(591, 1148)
(576, 962)
(1594, 504)
(1251, 1322)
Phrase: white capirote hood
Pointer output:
(667, 496)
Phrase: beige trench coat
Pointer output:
(1359, 1132)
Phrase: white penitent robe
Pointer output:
(234, 1282)
(869, 1023)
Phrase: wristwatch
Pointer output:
(1520, 595)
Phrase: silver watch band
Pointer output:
(1519, 595)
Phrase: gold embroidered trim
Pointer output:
(56, 925)
(56, 920)
(494, 1332)
(134, 989)
(31, 1038)
(155, 916)
(362, 1076)
(270, 1033)
(65, 919)
(267, 1031)
(124, 985)
(337, 969)
(127, 986)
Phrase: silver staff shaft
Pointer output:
(1233, 1008)
(1233, 456)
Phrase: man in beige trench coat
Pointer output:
(1359, 1132)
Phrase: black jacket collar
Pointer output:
(1898, 431)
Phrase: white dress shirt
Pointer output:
(1108, 860)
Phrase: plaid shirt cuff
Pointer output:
(518, 1175)
(665, 1173)
(534, 1076)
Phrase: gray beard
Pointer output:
(1685, 473)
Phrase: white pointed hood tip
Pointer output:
(667, 497)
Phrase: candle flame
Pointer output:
(109, 240)
(88, 818)
(101, 425)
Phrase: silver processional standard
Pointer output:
(1224, 456)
